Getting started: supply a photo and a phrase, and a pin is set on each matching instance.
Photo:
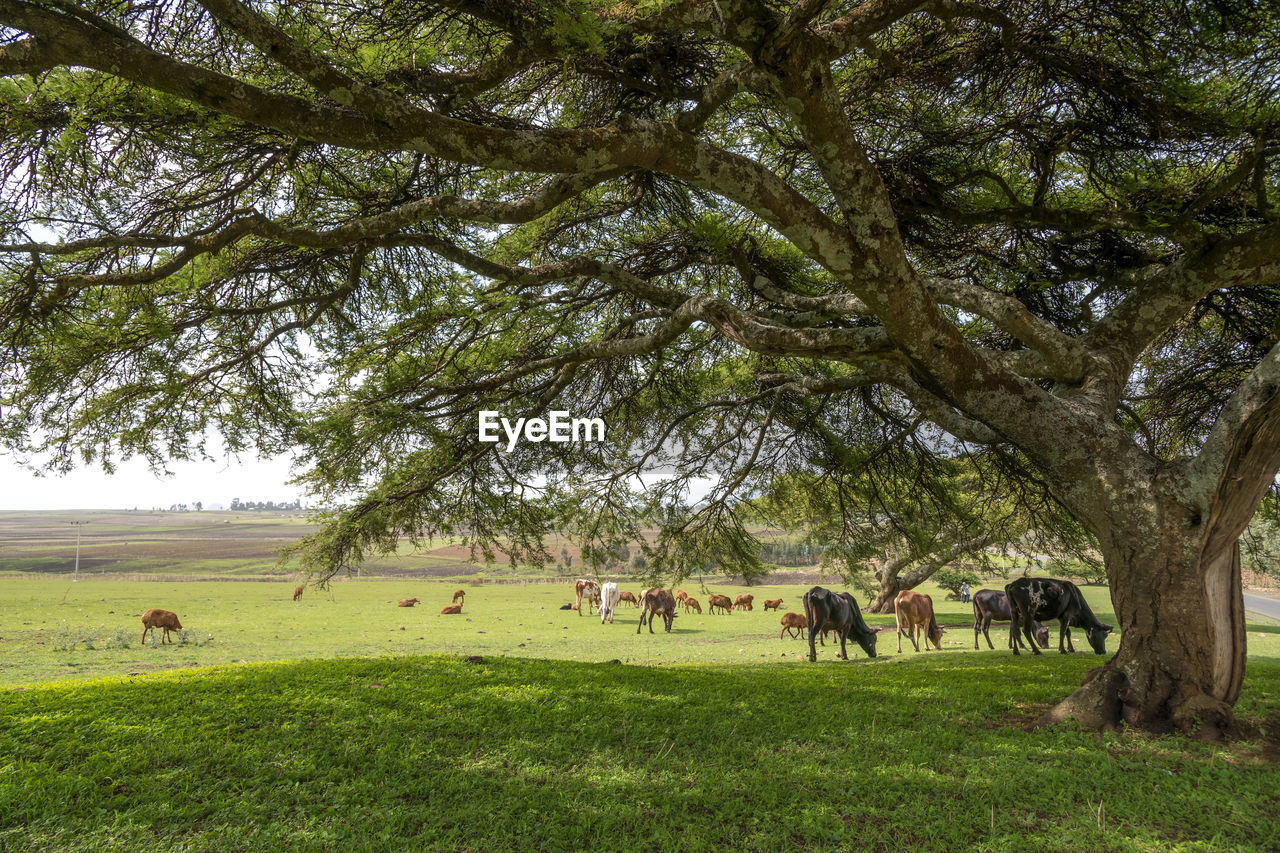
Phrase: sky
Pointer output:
(133, 485)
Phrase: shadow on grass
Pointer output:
(507, 754)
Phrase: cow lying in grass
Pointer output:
(451, 610)
(406, 602)
(166, 620)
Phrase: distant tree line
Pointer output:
(237, 504)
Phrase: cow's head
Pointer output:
(1098, 638)
(1042, 637)
(867, 641)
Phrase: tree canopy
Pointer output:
(742, 232)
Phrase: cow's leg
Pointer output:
(844, 654)
(641, 625)
(986, 632)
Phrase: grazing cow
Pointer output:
(451, 610)
(1045, 599)
(914, 612)
(743, 602)
(460, 595)
(772, 603)
(628, 598)
(586, 589)
(608, 601)
(791, 623)
(822, 606)
(681, 595)
(657, 602)
(166, 620)
(992, 605)
(691, 603)
(297, 592)
(721, 601)
(406, 602)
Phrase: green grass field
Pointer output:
(342, 722)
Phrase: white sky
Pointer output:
(133, 485)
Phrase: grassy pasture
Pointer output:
(234, 622)
(919, 752)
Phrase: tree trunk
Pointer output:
(890, 586)
(1182, 644)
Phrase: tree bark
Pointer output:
(1181, 656)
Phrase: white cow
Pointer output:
(609, 596)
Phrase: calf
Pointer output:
(743, 602)
(297, 592)
(992, 605)
(451, 610)
(721, 601)
(460, 595)
(691, 603)
(609, 596)
(791, 623)
(1045, 598)
(681, 595)
(406, 602)
(914, 612)
(628, 598)
(657, 602)
(822, 606)
(166, 620)
(772, 603)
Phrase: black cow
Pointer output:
(657, 602)
(1045, 598)
(993, 605)
(826, 608)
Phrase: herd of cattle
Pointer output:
(1025, 603)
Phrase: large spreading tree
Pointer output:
(1037, 232)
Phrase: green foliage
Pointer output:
(951, 579)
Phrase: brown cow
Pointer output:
(451, 610)
(157, 618)
(721, 601)
(772, 603)
(629, 598)
(792, 622)
(691, 603)
(657, 602)
(459, 595)
(297, 592)
(681, 595)
(743, 602)
(407, 602)
(588, 589)
(915, 614)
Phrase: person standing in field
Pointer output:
(964, 591)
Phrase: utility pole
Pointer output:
(78, 525)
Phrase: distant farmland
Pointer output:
(222, 544)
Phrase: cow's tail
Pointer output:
(808, 611)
